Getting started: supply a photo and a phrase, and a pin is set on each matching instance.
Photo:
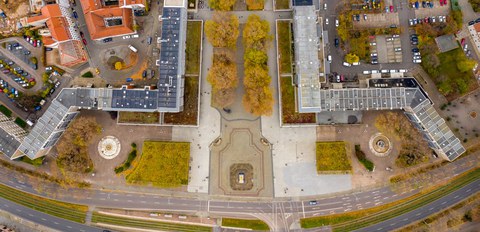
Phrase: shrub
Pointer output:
(87, 74)
(363, 158)
(127, 163)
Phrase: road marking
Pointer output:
(468, 190)
(378, 203)
(380, 228)
(56, 223)
(455, 197)
(102, 199)
(18, 210)
(406, 219)
(368, 202)
(69, 227)
(115, 199)
(394, 195)
(303, 209)
(208, 206)
(6, 205)
(345, 198)
(129, 200)
(156, 202)
(89, 198)
(31, 215)
(143, 202)
(431, 209)
(345, 210)
(393, 224)
(385, 198)
(418, 214)
(43, 219)
(443, 203)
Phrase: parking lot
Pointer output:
(376, 20)
(387, 48)
(436, 10)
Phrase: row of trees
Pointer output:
(227, 5)
(222, 32)
(73, 146)
(258, 98)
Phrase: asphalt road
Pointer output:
(43, 218)
(424, 211)
(274, 211)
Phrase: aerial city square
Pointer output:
(240, 115)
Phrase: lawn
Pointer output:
(282, 4)
(5, 111)
(284, 46)
(192, 51)
(190, 109)
(363, 158)
(20, 122)
(145, 224)
(35, 162)
(162, 164)
(243, 223)
(139, 117)
(448, 78)
(72, 212)
(288, 104)
(332, 158)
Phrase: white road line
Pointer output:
(406, 219)
(385, 198)
(69, 227)
(443, 203)
(430, 209)
(455, 197)
(31, 215)
(418, 214)
(208, 206)
(303, 209)
(468, 190)
(380, 228)
(368, 202)
(56, 223)
(395, 195)
(43, 219)
(393, 224)
(378, 203)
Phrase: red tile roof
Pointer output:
(95, 15)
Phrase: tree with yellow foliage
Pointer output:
(222, 31)
(258, 101)
(256, 33)
(223, 5)
(118, 65)
(255, 4)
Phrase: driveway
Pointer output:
(97, 49)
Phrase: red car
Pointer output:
(84, 41)
(441, 2)
(34, 43)
(391, 9)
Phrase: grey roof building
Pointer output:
(381, 94)
(167, 96)
(11, 136)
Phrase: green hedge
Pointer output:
(87, 74)
(127, 163)
(20, 122)
(5, 111)
(363, 158)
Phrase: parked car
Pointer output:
(84, 41)
(106, 40)
(337, 42)
(346, 64)
(75, 15)
(471, 23)
(48, 49)
(37, 108)
(49, 68)
(26, 52)
(129, 79)
(149, 40)
(391, 9)
(312, 202)
(415, 50)
(336, 23)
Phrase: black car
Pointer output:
(471, 23)
(477, 20)
(52, 91)
(414, 39)
(35, 66)
(424, 4)
(106, 40)
(337, 42)
(48, 49)
(415, 50)
(358, 17)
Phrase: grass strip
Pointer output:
(284, 31)
(68, 211)
(193, 44)
(362, 218)
(245, 223)
(5, 111)
(20, 122)
(145, 224)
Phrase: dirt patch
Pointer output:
(138, 74)
(15, 9)
(120, 54)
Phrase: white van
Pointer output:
(346, 64)
(329, 58)
(132, 48)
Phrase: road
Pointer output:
(43, 218)
(424, 211)
(278, 213)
